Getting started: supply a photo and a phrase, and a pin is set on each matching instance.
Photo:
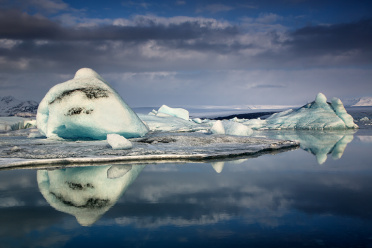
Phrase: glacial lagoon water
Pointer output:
(287, 199)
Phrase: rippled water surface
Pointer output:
(317, 195)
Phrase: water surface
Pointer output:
(290, 199)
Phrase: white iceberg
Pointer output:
(218, 128)
(364, 119)
(318, 115)
(230, 128)
(167, 123)
(176, 112)
(86, 107)
(117, 141)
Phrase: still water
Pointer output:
(319, 195)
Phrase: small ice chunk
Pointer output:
(117, 171)
(197, 120)
(364, 119)
(231, 128)
(118, 142)
(218, 128)
(236, 128)
(34, 133)
(176, 112)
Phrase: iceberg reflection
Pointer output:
(86, 192)
(318, 143)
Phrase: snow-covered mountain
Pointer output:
(9, 106)
(363, 101)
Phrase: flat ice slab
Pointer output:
(22, 151)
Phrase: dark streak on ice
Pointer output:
(91, 203)
(78, 111)
(79, 186)
(90, 92)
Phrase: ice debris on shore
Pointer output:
(86, 107)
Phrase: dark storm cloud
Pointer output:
(65, 43)
(332, 39)
(17, 25)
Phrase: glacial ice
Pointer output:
(176, 112)
(86, 107)
(118, 142)
(86, 192)
(15, 123)
(230, 128)
(364, 119)
(218, 128)
(167, 123)
(318, 115)
(195, 146)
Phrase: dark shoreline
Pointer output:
(245, 116)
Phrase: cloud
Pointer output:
(17, 25)
(268, 18)
(51, 6)
(255, 54)
(346, 42)
(215, 8)
(180, 2)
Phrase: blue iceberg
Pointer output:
(317, 115)
(86, 107)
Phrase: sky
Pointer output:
(186, 53)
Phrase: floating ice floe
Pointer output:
(117, 141)
(317, 115)
(159, 146)
(86, 107)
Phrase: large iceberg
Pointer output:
(86, 107)
(317, 115)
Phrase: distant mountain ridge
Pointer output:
(363, 101)
(10, 106)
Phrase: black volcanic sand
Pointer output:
(246, 116)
